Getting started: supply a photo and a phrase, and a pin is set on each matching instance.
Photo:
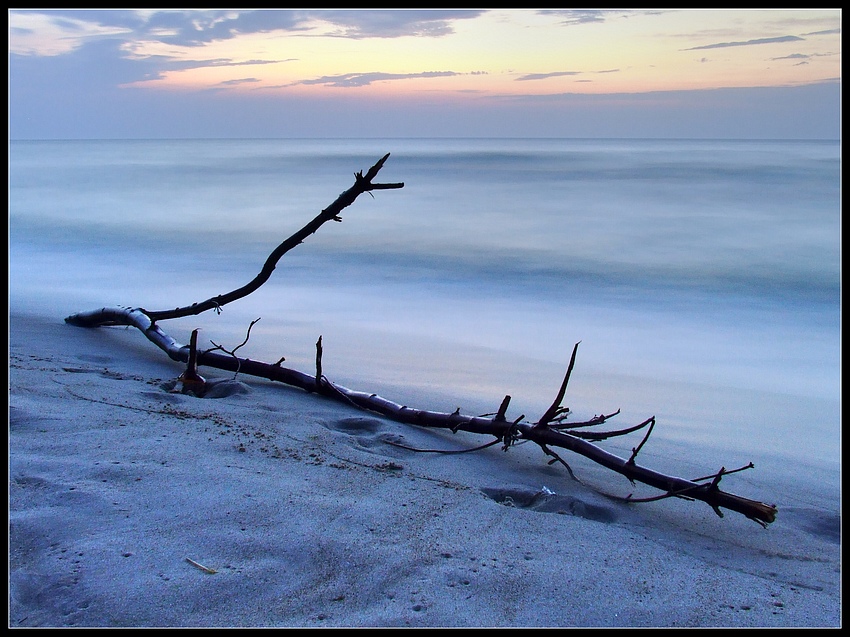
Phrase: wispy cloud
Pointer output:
(723, 45)
(573, 17)
(359, 23)
(544, 76)
(349, 80)
(803, 57)
(577, 16)
(48, 35)
(244, 80)
(825, 32)
(222, 62)
(196, 27)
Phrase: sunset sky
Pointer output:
(693, 73)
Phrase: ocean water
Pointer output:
(702, 278)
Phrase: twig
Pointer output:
(208, 571)
(443, 451)
(232, 352)
(651, 422)
(725, 473)
(596, 420)
(556, 408)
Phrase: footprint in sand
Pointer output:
(821, 524)
(214, 388)
(368, 434)
(544, 501)
(21, 420)
(91, 358)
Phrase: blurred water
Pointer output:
(702, 277)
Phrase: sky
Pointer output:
(283, 73)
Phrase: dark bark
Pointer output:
(542, 433)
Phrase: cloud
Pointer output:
(826, 32)
(803, 57)
(572, 17)
(97, 67)
(183, 65)
(349, 80)
(722, 45)
(48, 34)
(56, 31)
(543, 76)
(575, 17)
(392, 23)
(244, 80)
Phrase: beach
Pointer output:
(262, 505)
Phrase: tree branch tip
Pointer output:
(503, 408)
(717, 478)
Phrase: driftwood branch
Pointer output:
(550, 431)
(362, 183)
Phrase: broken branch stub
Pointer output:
(550, 431)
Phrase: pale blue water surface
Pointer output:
(701, 277)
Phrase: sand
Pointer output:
(265, 506)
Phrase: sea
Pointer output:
(701, 279)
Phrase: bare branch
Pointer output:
(651, 423)
(232, 352)
(361, 184)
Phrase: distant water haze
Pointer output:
(701, 277)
